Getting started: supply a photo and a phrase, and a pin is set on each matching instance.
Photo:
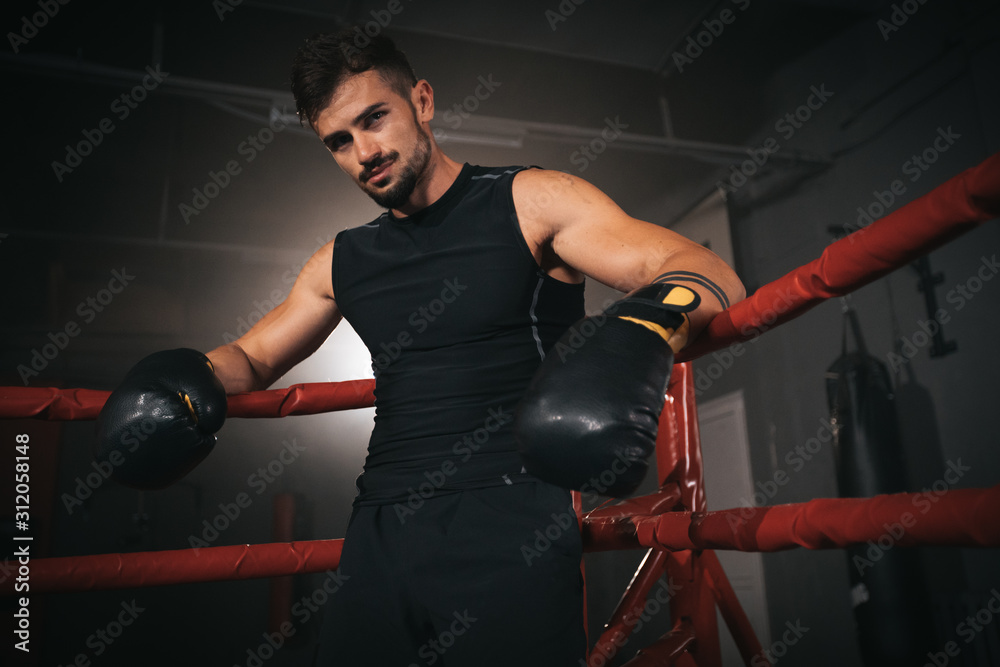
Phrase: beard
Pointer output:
(405, 180)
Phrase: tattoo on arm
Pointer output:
(698, 279)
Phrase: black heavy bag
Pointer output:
(891, 606)
(944, 569)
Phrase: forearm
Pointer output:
(235, 369)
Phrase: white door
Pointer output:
(728, 483)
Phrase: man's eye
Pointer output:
(377, 116)
(337, 143)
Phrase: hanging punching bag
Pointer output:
(891, 605)
(920, 433)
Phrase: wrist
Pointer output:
(662, 308)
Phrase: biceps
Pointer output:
(591, 234)
(623, 252)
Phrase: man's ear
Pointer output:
(422, 97)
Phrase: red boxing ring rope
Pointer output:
(672, 523)
(958, 517)
(955, 207)
(103, 572)
(961, 517)
(299, 399)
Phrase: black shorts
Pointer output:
(471, 579)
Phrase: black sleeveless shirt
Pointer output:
(457, 317)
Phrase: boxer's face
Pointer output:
(377, 136)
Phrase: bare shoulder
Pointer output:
(537, 191)
(540, 200)
(556, 198)
(542, 179)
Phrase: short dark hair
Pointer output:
(326, 60)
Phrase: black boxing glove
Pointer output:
(595, 402)
(160, 422)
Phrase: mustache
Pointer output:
(375, 163)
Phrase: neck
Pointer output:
(439, 175)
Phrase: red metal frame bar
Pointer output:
(732, 612)
(669, 650)
(631, 606)
(694, 602)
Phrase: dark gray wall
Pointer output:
(195, 282)
(891, 98)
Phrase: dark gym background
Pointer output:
(725, 73)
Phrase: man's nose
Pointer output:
(366, 149)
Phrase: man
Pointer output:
(459, 291)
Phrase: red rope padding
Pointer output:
(959, 517)
(304, 399)
(51, 403)
(953, 208)
(74, 574)
(299, 399)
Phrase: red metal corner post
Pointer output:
(695, 603)
(688, 472)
